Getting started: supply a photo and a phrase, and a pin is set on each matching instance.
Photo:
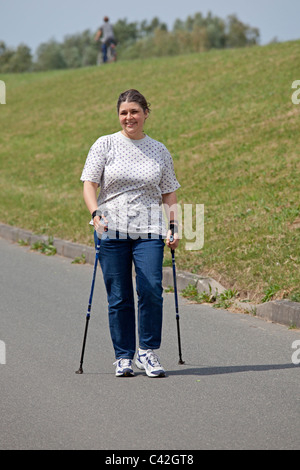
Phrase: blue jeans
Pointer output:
(105, 47)
(104, 52)
(117, 257)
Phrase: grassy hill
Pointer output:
(229, 122)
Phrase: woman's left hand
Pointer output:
(100, 224)
(174, 244)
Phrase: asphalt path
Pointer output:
(238, 389)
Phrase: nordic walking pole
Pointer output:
(176, 303)
(88, 315)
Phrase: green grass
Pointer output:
(229, 122)
(47, 249)
(223, 300)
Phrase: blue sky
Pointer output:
(35, 21)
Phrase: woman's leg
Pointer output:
(148, 258)
(116, 263)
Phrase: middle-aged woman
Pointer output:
(136, 177)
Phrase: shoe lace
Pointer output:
(123, 363)
(153, 358)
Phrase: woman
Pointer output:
(136, 178)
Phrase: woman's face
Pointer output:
(132, 118)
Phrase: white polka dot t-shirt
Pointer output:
(132, 175)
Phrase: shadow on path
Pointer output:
(194, 369)
(229, 369)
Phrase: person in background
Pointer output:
(106, 34)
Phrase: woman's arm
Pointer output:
(90, 198)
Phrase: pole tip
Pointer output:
(181, 362)
(79, 371)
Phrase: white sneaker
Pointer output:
(124, 368)
(149, 361)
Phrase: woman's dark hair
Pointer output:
(133, 96)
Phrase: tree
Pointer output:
(79, 50)
(240, 34)
(149, 29)
(49, 56)
(178, 25)
(2, 48)
(21, 60)
(5, 57)
(126, 33)
(11, 60)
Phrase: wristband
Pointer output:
(173, 227)
(94, 214)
